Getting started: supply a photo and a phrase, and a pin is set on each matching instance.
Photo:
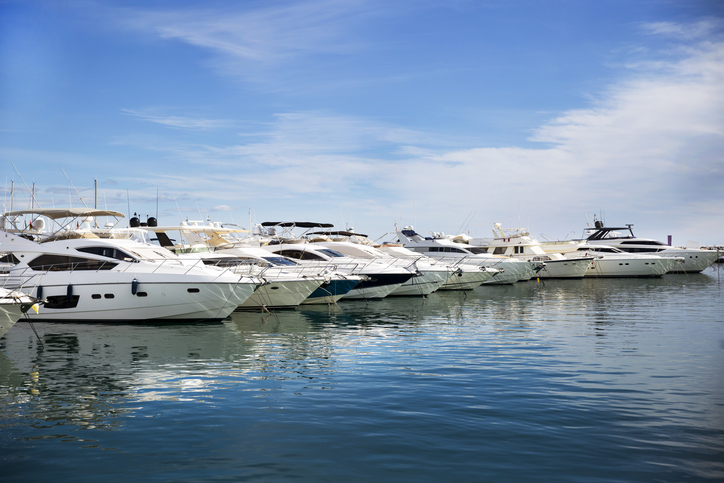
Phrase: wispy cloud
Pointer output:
(180, 122)
(702, 29)
(246, 39)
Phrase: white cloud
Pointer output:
(651, 144)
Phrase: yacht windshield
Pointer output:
(330, 253)
(279, 261)
(151, 253)
(108, 252)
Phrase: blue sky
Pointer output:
(449, 115)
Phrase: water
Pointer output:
(582, 381)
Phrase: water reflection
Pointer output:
(490, 373)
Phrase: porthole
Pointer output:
(193, 290)
(109, 296)
(96, 296)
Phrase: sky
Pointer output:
(447, 115)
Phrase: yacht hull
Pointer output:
(10, 313)
(424, 283)
(694, 260)
(377, 286)
(615, 267)
(116, 302)
(569, 268)
(330, 292)
(468, 279)
(281, 294)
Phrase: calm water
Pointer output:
(580, 381)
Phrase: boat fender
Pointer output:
(134, 286)
(39, 296)
(69, 292)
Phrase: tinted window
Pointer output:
(61, 302)
(300, 255)
(58, 263)
(108, 252)
(331, 253)
(279, 261)
(9, 258)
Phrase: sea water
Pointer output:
(594, 380)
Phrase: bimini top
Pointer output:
(58, 213)
(341, 233)
(298, 224)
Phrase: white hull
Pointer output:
(368, 293)
(163, 302)
(694, 260)
(513, 271)
(12, 305)
(569, 268)
(468, 279)
(424, 283)
(115, 302)
(629, 267)
(279, 294)
(9, 314)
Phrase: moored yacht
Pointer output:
(623, 238)
(517, 243)
(284, 285)
(426, 278)
(83, 277)
(444, 248)
(612, 262)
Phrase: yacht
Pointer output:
(623, 238)
(285, 285)
(82, 277)
(445, 248)
(517, 243)
(426, 278)
(429, 271)
(461, 276)
(13, 304)
(222, 241)
(379, 279)
(611, 262)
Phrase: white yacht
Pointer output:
(461, 276)
(623, 238)
(445, 248)
(612, 262)
(82, 277)
(379, 279)
(13, 304)
(517, 243)
(285, 285)
(426, 278)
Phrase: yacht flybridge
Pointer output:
(623, 238)
(82, 276)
